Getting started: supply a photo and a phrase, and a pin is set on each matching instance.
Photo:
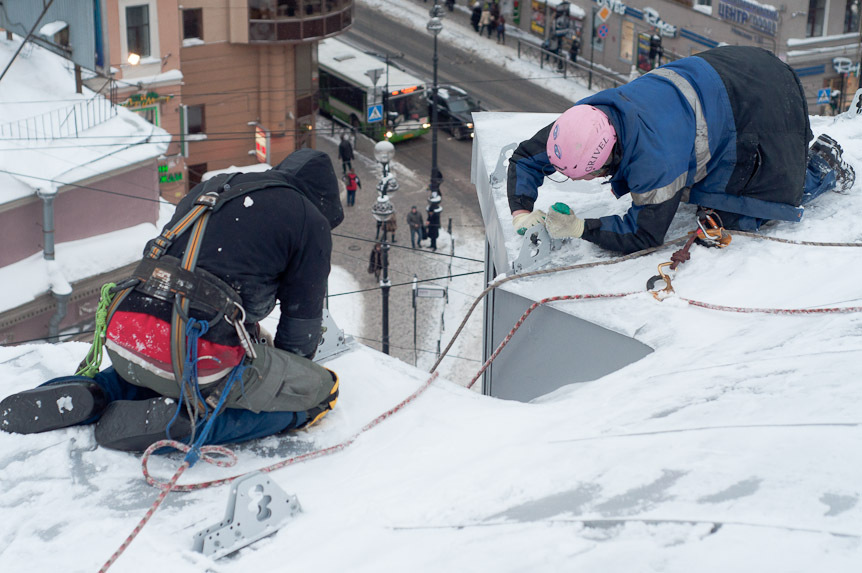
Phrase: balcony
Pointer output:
(297, 20)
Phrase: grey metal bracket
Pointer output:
(332, 339)
(535, 250)
(256, 508)
(499, 175)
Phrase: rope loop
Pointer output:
(89, 367)
(215, 455)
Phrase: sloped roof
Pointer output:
(53, 136)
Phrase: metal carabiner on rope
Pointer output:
(239, 325)
(711, 233)
(661, 276)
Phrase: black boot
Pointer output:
(830, 151)
(134, 425)
(51, 407)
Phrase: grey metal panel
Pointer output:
(480, 176)
(19, 16)
(551, 349)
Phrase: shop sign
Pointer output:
(165, 176)
(537, 19)
(143, 100)
(652, 18)
(745, 13)
(261, 144)
(614, 5)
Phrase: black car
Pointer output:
(455, 109)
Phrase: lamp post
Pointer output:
(435, 25)
(382, 210)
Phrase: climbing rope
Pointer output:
(196, 452)
(230, 459)
(678, 258)
(89, 367)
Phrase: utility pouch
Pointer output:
(280, 381)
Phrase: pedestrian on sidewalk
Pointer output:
(351, 183)
(345, 154)
(414, 221)
(476, 15)
(433, 225)
(501, 29)
(485, 19)
(391, 227)
(574, 48)
(375, 261)
(495, 13)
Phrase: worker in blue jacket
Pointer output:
(727, 130)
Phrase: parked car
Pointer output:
(454, 110)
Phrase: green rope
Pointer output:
(90, 365)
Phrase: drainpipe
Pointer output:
(60, 288)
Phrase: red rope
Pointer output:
(710, 306)
(231, 460)
(527, 313)
(162, 495)
(749, 310)
(284, 463)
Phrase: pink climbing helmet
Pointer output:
(581, 141)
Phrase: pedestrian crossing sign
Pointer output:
(375, 113)
(823, 95)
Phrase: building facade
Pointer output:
(234, 81)
(820, 39)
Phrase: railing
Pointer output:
(297, 20)
(598, 78)
(60, 123)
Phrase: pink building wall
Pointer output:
(110, 204)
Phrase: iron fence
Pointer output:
(60, 123)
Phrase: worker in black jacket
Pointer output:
(270, 245)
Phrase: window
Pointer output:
(302, 66)
(150, 114)
(851, 16)
(816, 13)
(193, 23)
(196, 173)
(196, 119)
(138, 30)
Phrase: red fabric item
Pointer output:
(148, 338)
(351, 182)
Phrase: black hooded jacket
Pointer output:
(273, 244)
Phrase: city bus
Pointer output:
(348, 94)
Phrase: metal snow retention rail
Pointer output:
(601, 78)
(59, 123)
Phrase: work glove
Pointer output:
(524, 221)
(562, 223)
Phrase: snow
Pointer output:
(253, 168)
(733, 447)
(38, 101)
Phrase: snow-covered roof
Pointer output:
(53, 136)
(732, 447)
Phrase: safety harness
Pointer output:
(184, 286)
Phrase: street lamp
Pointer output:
(435, 25)
(382, 211)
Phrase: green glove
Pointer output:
(524, 221)
(562, 223)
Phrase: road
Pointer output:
(498, 90)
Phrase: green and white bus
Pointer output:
(347, 93)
